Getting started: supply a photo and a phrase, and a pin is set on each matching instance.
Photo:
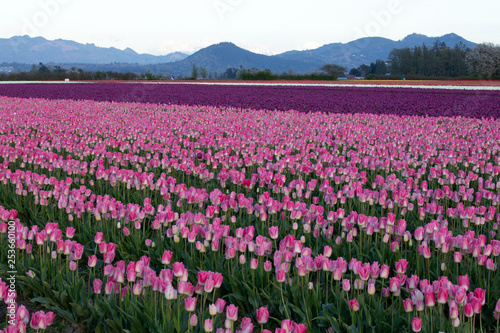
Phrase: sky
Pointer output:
(267, 27)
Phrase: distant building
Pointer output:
(6, 69)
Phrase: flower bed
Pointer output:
(175, 218)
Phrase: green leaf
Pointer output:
(43, 300)
(137, 326)
(297, 310)
(79, 310)
(65, 314)
(113, 325)
(64, 299)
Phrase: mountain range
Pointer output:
(215, 58)
(24, 49)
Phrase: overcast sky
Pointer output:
(269, 27)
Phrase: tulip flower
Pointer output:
(416, 324)
(92, 261)
(190, 304)
(408, 305)
(208, 326)
(232, 312)
(354, 305)
(262, 315)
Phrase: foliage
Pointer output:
(57, 73)
(268, 75)
(484, 61)
(194, 72)
(329, 221)
(438, 61)
(379, 67)
(333, 70)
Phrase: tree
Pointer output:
(380, 67)
(230, 73)
(484, 60)
(439, 61)
(43, 69)
(364, 70)
(194, 72)
(355, 72)
(149, 76)
(333, 70)
(58, 69)
(203, 72)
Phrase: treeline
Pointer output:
(56, 73)
(267, 75)
(379, 67)
(438, 61)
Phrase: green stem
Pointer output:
(283, 299)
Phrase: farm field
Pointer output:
(477, 84)
(199, 208)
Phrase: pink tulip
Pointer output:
(371, 289)
(401, 266)
(70, 232)
(442, 296)
(97, 286)
(178, 268)
(212, 309)
(209, 286)
(108, 257)
(98, 238)
(92, 261)
(463, 281)
(137, 289)
(299, 328)
(39, 321)
(468, 310)
(346, 285)
(208, 326)
(480, 294)
(416, 324)
(72, 265)
(287, 325)
(220, 304)
(193, 320)
(254, 263)
(232, 312)
(476, 305)
(453, 311)
(262, 315)
(166, 257)
(246, 325)
(190, 304)
(268, 266)
(384, 271)
(280, 276)
(23, 313)
(430, 299)
(170, 293)
(354, 305)
(273, 232)
(408, 305)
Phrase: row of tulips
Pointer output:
(343, 100)
(424, 295)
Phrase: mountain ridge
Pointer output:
(215, 58)
(25, 49)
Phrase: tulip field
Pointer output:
(286, 210)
